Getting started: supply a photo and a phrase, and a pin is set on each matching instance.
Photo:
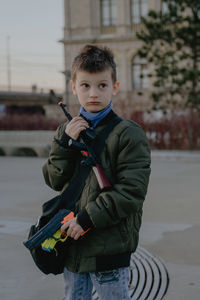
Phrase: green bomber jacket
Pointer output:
(115, 215)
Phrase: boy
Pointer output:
(100, 259)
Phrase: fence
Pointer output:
(178, 132)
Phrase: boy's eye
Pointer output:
(85, 85)
(102, 85)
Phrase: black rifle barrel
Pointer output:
(69, 117)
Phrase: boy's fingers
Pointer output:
(70, 232)
(76, 125)
(64, 227)
(72, 229)
(78, 120)
(76, 237)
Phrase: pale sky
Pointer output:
(34, 28)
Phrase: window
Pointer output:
(139, 8)
(164, 7)
(108, 12)
(139, 73)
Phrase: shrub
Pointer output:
(178, 132)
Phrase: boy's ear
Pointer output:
(73, 85)
(115, 88)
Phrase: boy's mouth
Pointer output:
(93, 102)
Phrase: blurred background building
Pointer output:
(113, 23)
(116, 24)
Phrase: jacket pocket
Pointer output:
(124, 231)
(137, 220)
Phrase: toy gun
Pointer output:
(50, 234)
(87, 151)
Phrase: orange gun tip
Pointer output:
(68, 217)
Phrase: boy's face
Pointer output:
(94, 90)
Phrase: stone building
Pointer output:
(113, 23)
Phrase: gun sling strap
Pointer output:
(69, 197)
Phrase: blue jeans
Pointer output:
(109, 285)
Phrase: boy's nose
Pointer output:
(93, 93)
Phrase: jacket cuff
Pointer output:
(84, 220)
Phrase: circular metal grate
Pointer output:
(149, 278)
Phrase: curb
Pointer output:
(173, 155)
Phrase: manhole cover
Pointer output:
(149, 278)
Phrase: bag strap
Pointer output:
(72, 193)
(99, 142)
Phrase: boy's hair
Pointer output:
(94, 59)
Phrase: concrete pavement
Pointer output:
(170, 229)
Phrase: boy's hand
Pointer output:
(74, 229)
(75, 126)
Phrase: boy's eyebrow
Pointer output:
(87, 81)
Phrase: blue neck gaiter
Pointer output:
(95, 118)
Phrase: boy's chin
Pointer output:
(93, 110)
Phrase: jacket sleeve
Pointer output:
(60, 165)
(129, 191)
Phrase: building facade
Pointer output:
(113, 23)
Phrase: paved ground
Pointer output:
(170, 229)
